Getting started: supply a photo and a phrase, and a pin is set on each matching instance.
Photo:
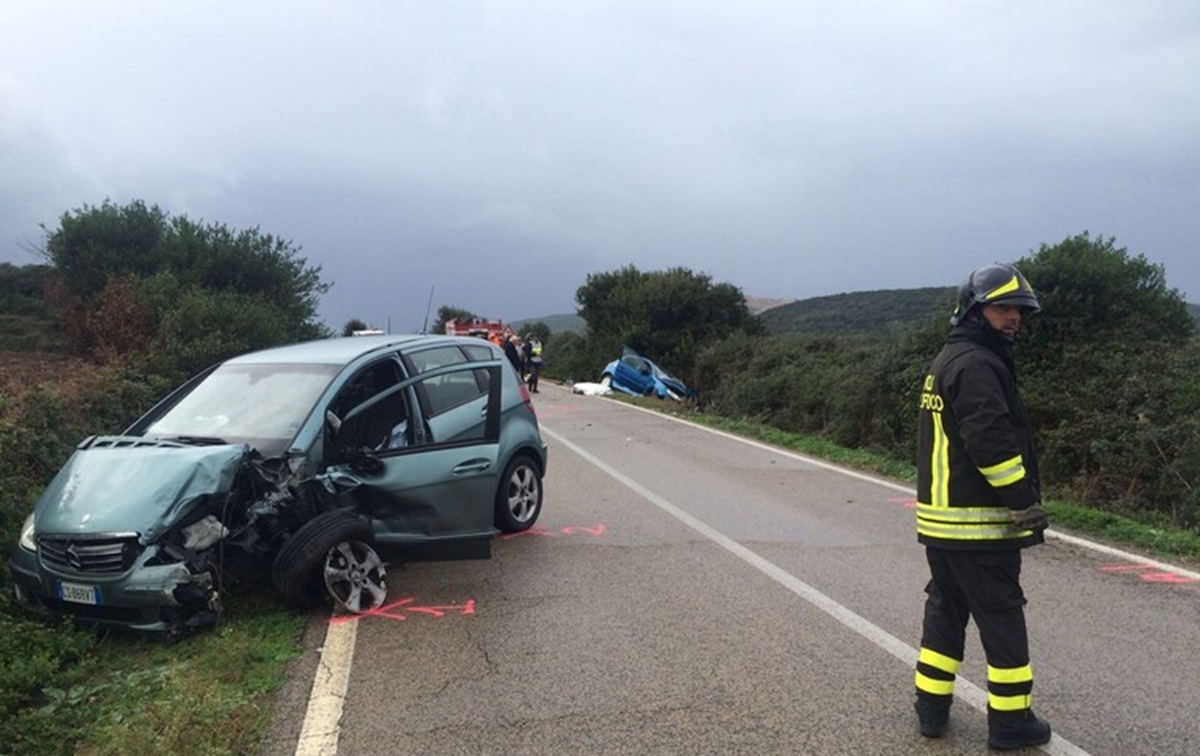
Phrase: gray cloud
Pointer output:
(498, 152)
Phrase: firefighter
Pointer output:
(533, 361)
(978, 505)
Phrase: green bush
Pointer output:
(46, 663)
(1110, 371)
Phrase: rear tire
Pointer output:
(519, 497)
(330, 557)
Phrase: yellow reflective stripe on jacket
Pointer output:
(939, 661)
(967, 523)
(1006, 473)
(993, 515)
(939, 464)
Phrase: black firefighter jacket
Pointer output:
(975, 459)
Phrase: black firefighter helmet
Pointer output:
(993, 284)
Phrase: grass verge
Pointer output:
(209, 694)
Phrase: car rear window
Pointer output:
(428, 359)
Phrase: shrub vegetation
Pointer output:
(131, 301)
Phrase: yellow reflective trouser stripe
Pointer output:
(1011, 674)
(939, 661)
(935, 687)
(1006, 473)
(1010, 703)
(939, 464)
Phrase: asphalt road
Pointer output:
(686, 592)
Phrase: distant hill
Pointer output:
(859, 312)
(759, 305)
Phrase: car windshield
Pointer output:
(660, 373)
(261, 405)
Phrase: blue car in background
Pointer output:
(636, 375)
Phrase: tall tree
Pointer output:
(665, 315)
(1093, 291)
(1109, 367)
(188, 293)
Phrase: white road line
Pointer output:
(1074, 540)
(965, 691)
(323, 719)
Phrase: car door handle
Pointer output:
(472, 465)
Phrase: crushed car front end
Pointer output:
(125, 535)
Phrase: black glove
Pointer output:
(1032, 518)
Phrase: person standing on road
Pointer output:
(512, 350)
(978, 505)
(533, 361)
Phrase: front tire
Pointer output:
(333, 552)
(519, 497)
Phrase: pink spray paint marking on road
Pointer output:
(570, 530)
(1149, 573)
(908, 502)
(395, 611)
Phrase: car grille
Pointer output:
(93, 555)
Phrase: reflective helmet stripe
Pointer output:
(1014, 284)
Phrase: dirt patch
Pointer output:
(21, 371)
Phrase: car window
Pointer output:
(385, 424)
(428, 359)
(446, 392)
(259, 404)
(479, 352)
(364, 428)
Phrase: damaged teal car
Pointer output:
(313, 461)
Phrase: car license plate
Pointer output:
(78, 593)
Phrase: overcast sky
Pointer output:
(496, 153)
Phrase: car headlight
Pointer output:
(27, 541)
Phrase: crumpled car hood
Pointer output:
(145, 488)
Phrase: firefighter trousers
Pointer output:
(984, 586)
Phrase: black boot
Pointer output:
(933, 714)
(1016, 729)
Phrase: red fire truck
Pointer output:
(493, 329)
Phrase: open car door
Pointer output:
(430, 489)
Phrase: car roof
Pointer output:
(343, 350)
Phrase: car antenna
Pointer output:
(425, 326)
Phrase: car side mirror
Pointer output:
(348, 441)
(362, 460)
